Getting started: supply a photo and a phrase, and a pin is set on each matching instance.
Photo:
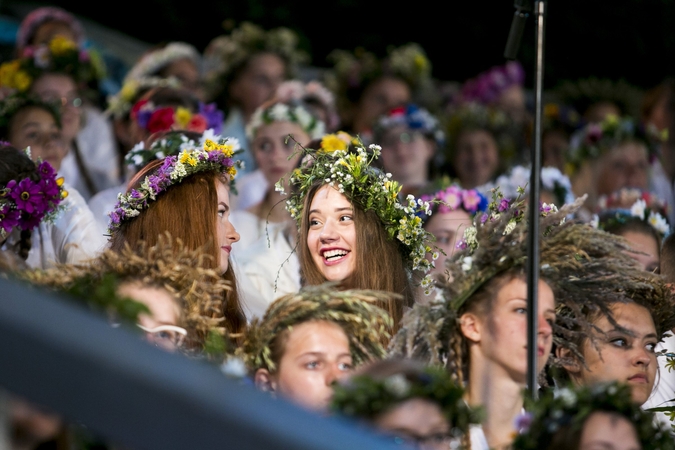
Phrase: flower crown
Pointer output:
(453, 198)
(364, 396)
(60, 55)
(310, 93)
(25, 203)
(552, 180)
(225, 54)
(350, 171)
(286, 112)
(572, 407)
(611, 132)
(120, 104)
(155, 119)
(556, 115)
(646, 207)
(212, 155)
(413, 117)
(365, 324)
(151, 63)
(489, 85)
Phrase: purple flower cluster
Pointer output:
(487, 87)
(25, 203)
(454, 197)
(214, 116)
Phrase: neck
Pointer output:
(491, 388)
(272, 207)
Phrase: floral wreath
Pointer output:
(453, 198)
(561, 116)
(552, 180)
(60, 55)
(120, 104)
(489, 85)
(350, 171)
(365, 324)
(596, 139)
(363, 396)
(212, 155)
(151, 63)
(413, 117)
(283, 112)
(646, 207)
(225, 54)
(572, 407)
(37, 17)
(155, 119)
(27, 202)
(310, 93)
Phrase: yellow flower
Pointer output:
(331, 143)
(182, 116)
(61, 45)
(64, 194)
(421, 63)
(59, 181)
(22, 81)
(187, 158)
(7, 72)
(209, 145)
(232, 171)
(612, 120)
(227, 149)
(551, 110)
(128, 91)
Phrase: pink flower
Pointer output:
(452, 197)
(471, 200)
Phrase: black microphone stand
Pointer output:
(523, 10)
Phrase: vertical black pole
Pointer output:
(533, 231)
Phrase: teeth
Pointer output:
(330, 254)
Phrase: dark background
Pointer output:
(624, 39)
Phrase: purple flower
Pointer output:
(154, 183)
(9, 218)
(46, 170)
(504, 204)
(84, 56)
(544, 208)
(143, 117)
(27, 195)
(50, 189)
(483, 218)
(214, 117)
(461, 244)
(523, 422)
(136, 194)
(30, 221)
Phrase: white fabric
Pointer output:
(478, 439)
(273, 270)
(235, 127)
(661, 185)
(665, 388)
(96, 142)
(250, 299)
(72, 238)
(251, 189)
(249, 227)
(102, 203)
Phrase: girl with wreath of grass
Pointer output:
(185, 193)
(407, 402)
(353, 229)
(308, 340)
(478, 331)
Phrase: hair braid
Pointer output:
(25, 243)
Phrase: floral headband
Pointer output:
(453, 198)
(283, 112)
(364, 396)
(646, 207)
(488, 86)
(413, 117)
(155, 119)
(350, 171)
(566, 117)
(153, 62)
(611, 132)
(552, 180)
(120, 104)
(60, 55)
(37, 17)
(312, 92)
(212, 155)
(572, 407)
(25, 203)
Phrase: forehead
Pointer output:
(223, 192)
(33, 114)
(317, 336)
(55, 82)
(449, 220)
(327, 196)
(631, 316)
(280, 130)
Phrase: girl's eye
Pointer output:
(345, 218)
(221, 213)
(651, 347)
(619, 342)
(443, 239)
(312, 365)
(521, 310)
(313, 222)
(346, 367)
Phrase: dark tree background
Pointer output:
(629, 39)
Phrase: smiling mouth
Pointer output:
(334, 255)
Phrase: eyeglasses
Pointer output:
(168, 337)
(69, 100)
(406, 137)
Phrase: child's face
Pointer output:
(36, 128)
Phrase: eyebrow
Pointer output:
(323, 354)
(346, 208)
(227, 208)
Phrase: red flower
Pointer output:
(197, 123)
(160, 120)
(137, 107)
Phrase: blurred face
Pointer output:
(476, 159)
(164, 313)
(332, 235)
(598, 112)
(316, 355)
(626, 355)
(59, 88)
(186, 72)
(377, 99)
(226, 233)
(49, 30)
(36, 128)
(606, 431)
(447, 228)
(406, 154)
(272, 147)
(554, 147)
(625, 166)
(512, 101)
(418, 422)
(646, 244)
(502, 335)
(258, 81)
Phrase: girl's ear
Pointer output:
(471, 327)
(568, 362)
(265, 381)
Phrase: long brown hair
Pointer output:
(184, 210)
(379, 263)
